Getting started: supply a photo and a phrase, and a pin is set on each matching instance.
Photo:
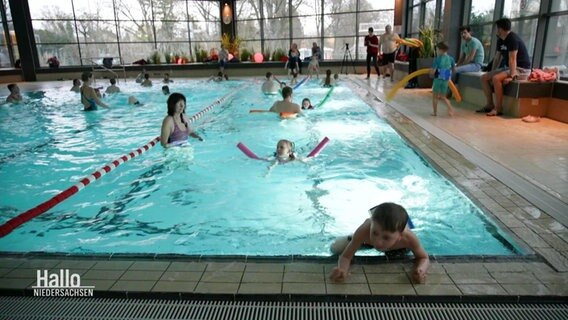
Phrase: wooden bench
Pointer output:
(520, 98)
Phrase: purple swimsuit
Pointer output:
(178, 134)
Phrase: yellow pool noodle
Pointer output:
(417, 73)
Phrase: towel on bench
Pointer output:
(546, 75)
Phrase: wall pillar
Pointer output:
(24, 33)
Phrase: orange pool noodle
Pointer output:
(288, 115)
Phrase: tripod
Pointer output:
(346, 59)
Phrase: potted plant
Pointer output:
(426, 54)
(155, 58)
(167, 57)
(266, 54)
(245, 55)
(278, 55)
(231, 44)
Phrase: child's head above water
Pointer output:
(328, 73)
(285, 150)
(268, 75)
(306, 104)
(336, 76)
(388, 221)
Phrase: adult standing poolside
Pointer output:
(372, 44)
(388, 47)
(512, 50)
(472, 54)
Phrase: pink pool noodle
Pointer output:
(247, 151)
(319, 147)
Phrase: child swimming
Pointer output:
(306, 104)
(387, 230)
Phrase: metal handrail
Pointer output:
(95, 65)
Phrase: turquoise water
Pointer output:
(210, 198)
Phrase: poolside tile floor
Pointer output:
(545, 273)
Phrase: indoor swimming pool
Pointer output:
(211, 199)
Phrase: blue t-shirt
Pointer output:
(473, 44)
(444, 65)
(514, 43)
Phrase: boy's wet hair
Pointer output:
(390, 216)
(268, 75)
(286, 92)
(112, 81)
(442, 46)
(220, 74)
(76, 81)
(328, 72)
(11, 86)
(166, 89)
(146, 76)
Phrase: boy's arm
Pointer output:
(421, 259)
(341, 271)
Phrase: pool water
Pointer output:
(209, 198)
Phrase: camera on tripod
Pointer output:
(347, 46)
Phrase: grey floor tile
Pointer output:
(16, 283)
(264, 267)
(392, 278)
(134, 286)
(436, 289)
(40, 264)
(353, 269)
(505, 266)
(348, 289)
(226, 266)
(141, 275)
(257, 277)
(210, 287)
(225, 276)
(472, 278)
(392, 289)
(482, 289)
(260, 288)
(75, 264)
(150, 266)
(515, 277)
(4, 271)
(351, 279)
(113, 265)
(11, 263)
(187, 266)
(102, 275)
(558, 289)
(181, 276)
(174, 286)
(23, 273)
(384, 268)
(100, 285)
(527, 289)
(304, 277)
(303, 288)
(464, 267)
(556, 278)
(304, 267)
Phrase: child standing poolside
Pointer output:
(441, 71)
(387, 230)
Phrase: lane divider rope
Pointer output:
(24, 217)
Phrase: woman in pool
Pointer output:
(175, 127)
(89, 96)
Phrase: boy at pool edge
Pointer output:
(387, 230)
